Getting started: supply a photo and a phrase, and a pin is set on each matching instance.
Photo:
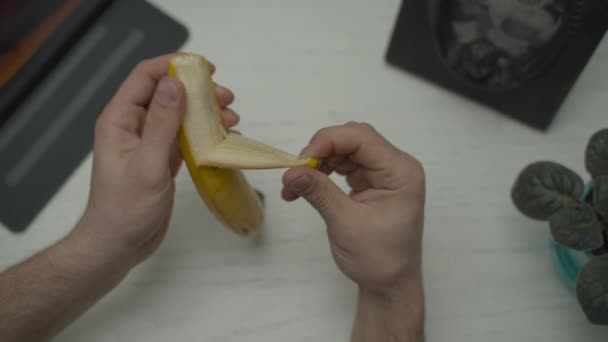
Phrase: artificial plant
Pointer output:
(551, 192)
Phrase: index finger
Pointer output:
(139, 86)
(359, 141)
(368, 159)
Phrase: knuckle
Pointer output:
(321, 134)
(150, 180)
(155, 118)
(359, 125)
(367, 127)
(317, 194)
(161, 118)
(102, 124)
(416, 172)
(417, 168)
(320, 202)
(147, 177)
(142, 65)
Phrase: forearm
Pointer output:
(41, 296)
(398, 317)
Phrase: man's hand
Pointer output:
(374, 232)
(135, 160)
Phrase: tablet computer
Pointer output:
(61, 87)
(33, 36)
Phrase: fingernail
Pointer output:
(300, 185)
(167, 93)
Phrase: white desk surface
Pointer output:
(297, 66)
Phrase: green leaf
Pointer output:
(596, 155)
(577, 227)
(592, 290)
(600, 196)
(543, 188)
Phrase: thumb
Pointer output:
(162, 122)
(318, 190)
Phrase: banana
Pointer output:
(215, 156)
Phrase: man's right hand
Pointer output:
(375, 232)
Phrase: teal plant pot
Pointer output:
(569, 262)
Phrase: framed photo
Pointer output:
(519, 57)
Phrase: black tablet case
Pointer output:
(51, 131)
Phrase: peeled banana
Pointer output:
(215, 156)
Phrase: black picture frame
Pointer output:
(414, 48)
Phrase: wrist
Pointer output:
(391, 314)
(407, 297)
(394, 284)
(82, 254)
(107, 239)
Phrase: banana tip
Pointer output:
(313, 163)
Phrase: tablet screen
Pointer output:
(24, 27)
